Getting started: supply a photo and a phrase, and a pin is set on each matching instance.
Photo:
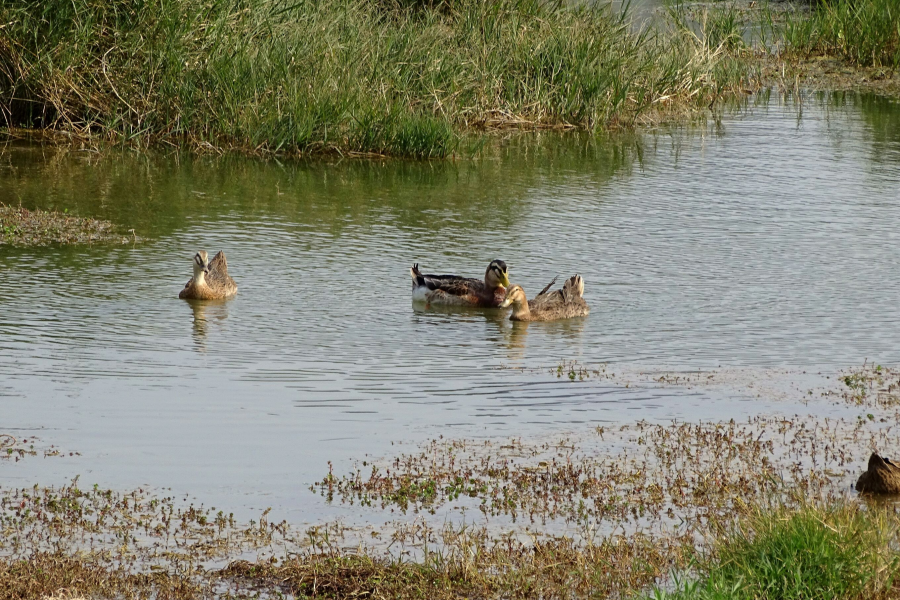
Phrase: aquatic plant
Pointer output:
(687, 472)
(871, 386)
(22, 227)
(726, 504)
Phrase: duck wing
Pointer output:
(449, 284)
(547, 287)
(564, 303)
(545, 297)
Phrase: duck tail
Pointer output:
(574, 286)
(416, 274)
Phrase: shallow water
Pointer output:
(767, 239)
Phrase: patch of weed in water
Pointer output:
(15, 450)
(22, 227)
(644, 475)
(872, 386)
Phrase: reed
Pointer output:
(864, 32)
(345, 76)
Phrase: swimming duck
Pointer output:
(548, 306)
(460, 291)
(210, 280)
(882, 477)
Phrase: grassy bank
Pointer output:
(397, 77)
(22, 227)
(348, 76)
(824, 552)
(811, 553)
(832, 45)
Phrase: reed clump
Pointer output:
(347, 76)
(865, 33)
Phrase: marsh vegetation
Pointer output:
(347, 76)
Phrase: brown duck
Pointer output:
(210, 280)
(882, 477)
(548, 306)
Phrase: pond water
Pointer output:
(765, 239)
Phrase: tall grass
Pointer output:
(865, 32)
(806, 553)
(392, 77)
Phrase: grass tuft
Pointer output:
(810, 552)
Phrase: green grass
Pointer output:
(863, 32)
(807, 553)
(350, 76)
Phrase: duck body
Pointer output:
(882, 477)
(211, 280)
(453, 290)
(564, 303)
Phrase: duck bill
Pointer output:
(506, 302)
(504, 280)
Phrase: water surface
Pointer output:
(768, 239)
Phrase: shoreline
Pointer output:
(651, 499)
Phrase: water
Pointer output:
(765, 240)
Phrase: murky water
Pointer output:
(768, 239)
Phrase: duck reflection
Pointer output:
(206, 314)
(511, 336)
(515, 333)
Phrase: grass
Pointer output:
(346, 76)
(401, 77)
(811, 552)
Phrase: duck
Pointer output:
(210, 280)
(882, 477)
(453, 290)
(565, 303)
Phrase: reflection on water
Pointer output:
(766, 239)
(207, 315)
